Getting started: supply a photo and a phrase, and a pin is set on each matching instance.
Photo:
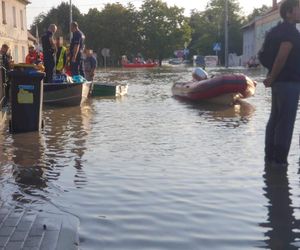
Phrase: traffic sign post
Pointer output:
(217, 48)
(105, 53)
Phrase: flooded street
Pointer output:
(150, 172)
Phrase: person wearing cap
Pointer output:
(33, 57)
(49, 49)
(76, 48)
(199, 74)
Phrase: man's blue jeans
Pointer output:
(279, 131)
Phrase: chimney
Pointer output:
(274, 4)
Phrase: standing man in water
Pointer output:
(49, 50)
(90, 65)
(76, 48)
(284, 79)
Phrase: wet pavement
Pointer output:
(32, 230)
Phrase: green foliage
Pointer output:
(59, 16)
(163, 29)
(119, 31)
(155, 31)
(208, 27)
(257, 12)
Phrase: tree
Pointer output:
(59, 16)
(208, 28)
(257, 12)
(119, 30)
(92, 28)
(163, 29)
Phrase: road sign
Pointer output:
(105, 52)
(217, 46)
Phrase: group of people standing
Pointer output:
(55, 53)
(57, 59)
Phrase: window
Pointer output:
(21, 19)
(14, 17)
(3, 13)
(16, 57)
(23, 54)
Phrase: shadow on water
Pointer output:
(281, 223)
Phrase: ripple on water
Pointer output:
(149, 172)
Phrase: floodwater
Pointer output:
(150, 172)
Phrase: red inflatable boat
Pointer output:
(223, 89)
(139, 65)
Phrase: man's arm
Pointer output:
(280, 60)
(94, 66)
(53, 46)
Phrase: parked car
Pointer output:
(175, 61)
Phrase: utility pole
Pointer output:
(226, 33)
(71, 20)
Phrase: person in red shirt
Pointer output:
(34, 57)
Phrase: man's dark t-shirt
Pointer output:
(77, 39)
(47, 48)
(287, 32)
(90, 63)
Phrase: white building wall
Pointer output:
(248, 44)
(13, 31)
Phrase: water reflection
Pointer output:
(281, 222)
(229, 116)
(28, 165)
(66, 132)
(37, 159)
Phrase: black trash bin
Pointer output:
(26, 100)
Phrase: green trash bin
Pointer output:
(26, 100)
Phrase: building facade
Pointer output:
(254, 32)
(13, 28)
(13, 32)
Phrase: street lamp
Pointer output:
(226, 33)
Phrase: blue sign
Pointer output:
(186, 52)
(26, 87)
(217, 46)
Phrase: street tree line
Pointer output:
(155, 30)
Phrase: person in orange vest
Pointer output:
(34, 57)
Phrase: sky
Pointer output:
(38, 6)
